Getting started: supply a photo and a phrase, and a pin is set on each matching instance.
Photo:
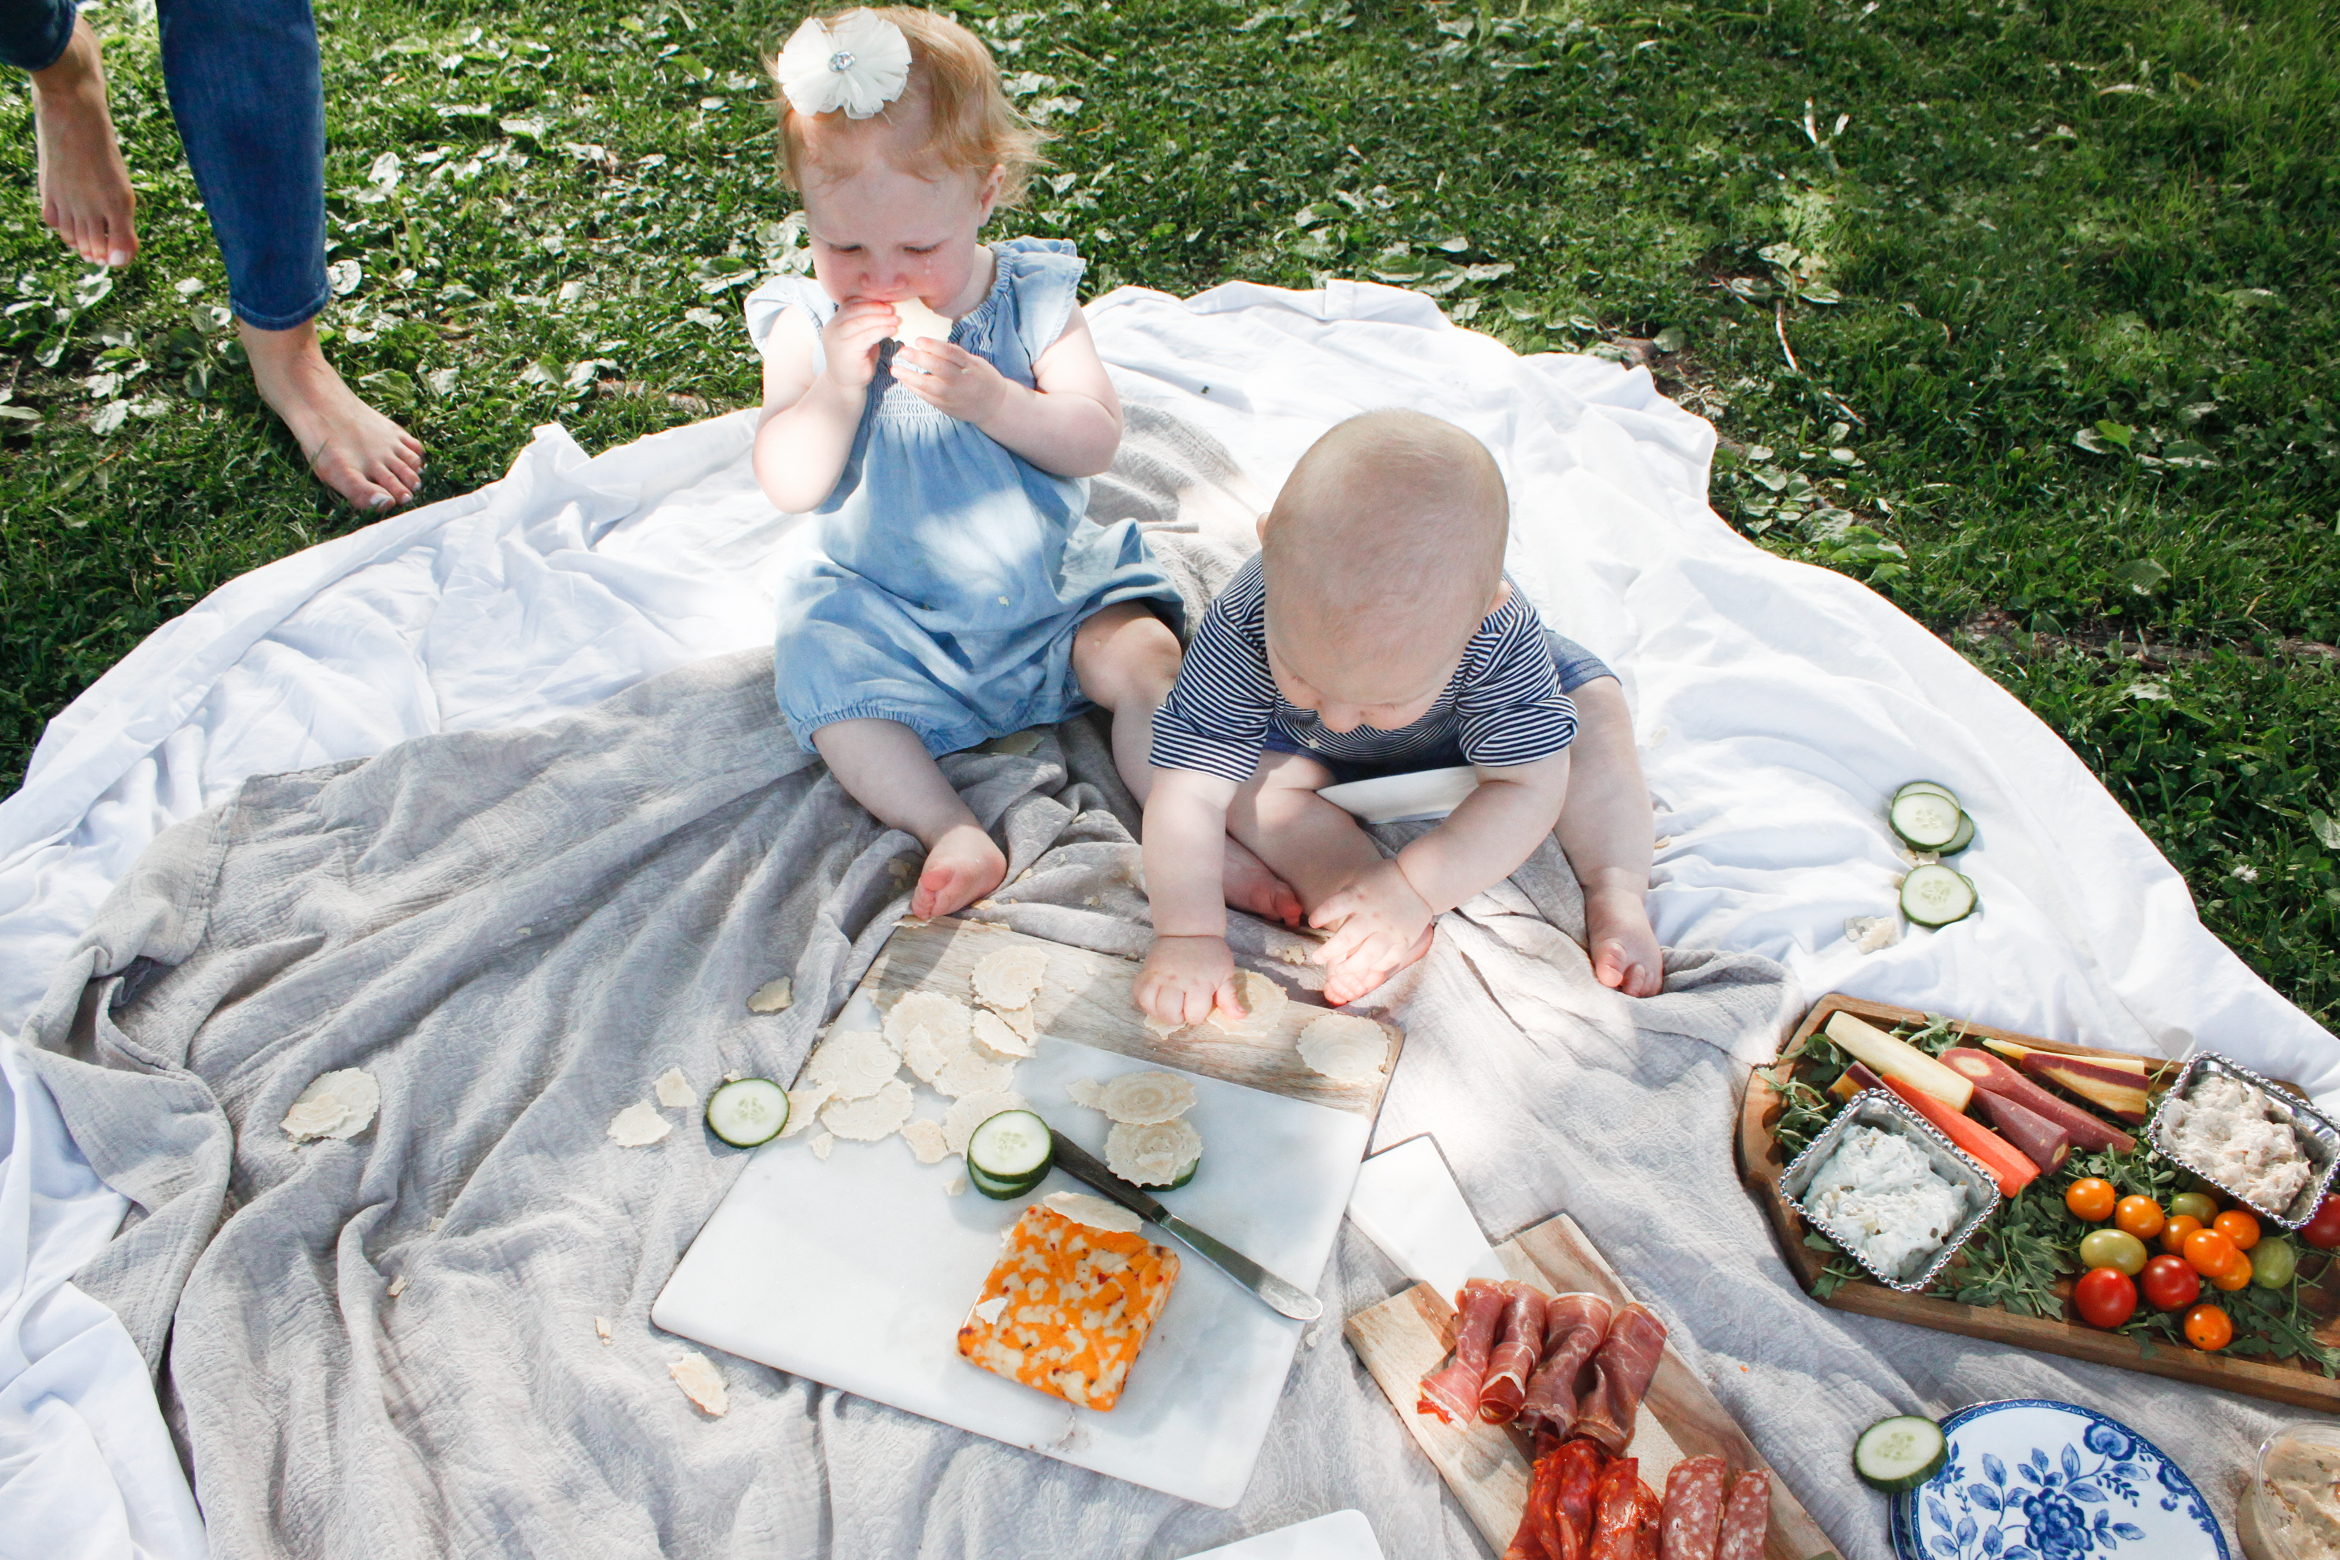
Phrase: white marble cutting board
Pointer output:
(857, 1272)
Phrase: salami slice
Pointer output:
(1692, 1515)
(1578, 1485)
(1746, 1518)
(1648, 1522)
(1543, 1535)
(1617, 1512)
(1574, 1326)
(1621, 1368)
(1518, 1341)
(1453, 1393)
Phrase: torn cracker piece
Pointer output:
(1095, 1212)
(971, 1072)
(822, 1144)
(926, 1140)
(1155, 1154)
(928, 1054)
(397, 1286)
(856, 1064)
(866, 1120)
(1163, 1030)
(674, 1090)
(956, 1186)
(916, 322)
(638, 1125)
(972, 1110)
(338, 1104)
(601, 1328)
(946, 1017)
(1345, 1047)
(1010, 977)
(1263, 1004)
(773, 996)
(701, 1382)
(804, 1107)
(1143, 1098)
(1086, 1091)
(996, 1036)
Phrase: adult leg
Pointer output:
(1126, 659)
(85, 189)
(1606, 828)
(1318, 848)
(246, 92)
(884, 767)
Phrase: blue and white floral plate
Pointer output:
(2034, 1480)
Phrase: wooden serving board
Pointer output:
(1085, 998)
(1406, 1336)
(1760, 1164)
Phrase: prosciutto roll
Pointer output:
(1621, 1369)
(1692, 1514)
(1574, 1326)
(1518, 1340)
(1453, 1393)
(1746, 1518)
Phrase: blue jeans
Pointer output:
(250, 103)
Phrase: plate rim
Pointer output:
(1900, 1525)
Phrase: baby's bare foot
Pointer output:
(85, 189)
(962, 867)
(1623, 945)
(354, 450)
(1354, 976)
(1249, 885)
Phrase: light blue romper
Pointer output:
(951, 572)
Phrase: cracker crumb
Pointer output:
(674, 1090)
(701, 1382)
(638, 1125)
(338, 1104)
(397, 1286)
(822, 1144)
(601, 1326)
(955, 1186)
(1086, 1091)
(926, 1140)
(773, 996)
(433, 1227)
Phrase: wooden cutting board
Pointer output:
(1405, 1337)
(1760, 1164)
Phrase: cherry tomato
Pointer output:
(2209, 1253)
(2237, 1274)
(2105, 1297)
(2091, 1199)
(2323, 1231)
(2238, 1227)
(2208, 1328)
(2174, 1233)
(2272, 1263)
(2169, 1284)
(2113, 1249)
(2195, 1205)
(2140, 1216)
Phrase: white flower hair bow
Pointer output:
(859, 65)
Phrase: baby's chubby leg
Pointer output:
(1606, 828)
(884, 767)
(1126, 659)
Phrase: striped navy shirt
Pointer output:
(1503, 704)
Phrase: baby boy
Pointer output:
(1376, 634)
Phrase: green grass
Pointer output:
(2060, 281)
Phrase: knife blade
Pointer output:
(1287, 1298)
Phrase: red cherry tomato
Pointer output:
(2105, 1297)
(2207, 1327)
(2323, 1231)
(2170, 1283)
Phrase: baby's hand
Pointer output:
(954, 380)
(1382, 927)
(1184, 978)
(850, 341)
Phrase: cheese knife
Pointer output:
(1290, 1299)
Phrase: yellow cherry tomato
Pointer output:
(2174, 1233)
(2140, 1216)
(2207, 1328)
(2238, 1227)
(2091, 1199)
(2209, 1253)
(2237, 1274)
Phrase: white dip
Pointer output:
(1880, 1197)
(2222, 1126)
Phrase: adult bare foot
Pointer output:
(1623, 945)
(961, 867)
(1249, 885)
(354, 450)
(85, 189)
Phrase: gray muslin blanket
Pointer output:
(515, 932)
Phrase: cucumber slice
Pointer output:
(1963, 838)
(1935, 786)
(1185, 1175)
(747, 1111)
(1003, 1191)
(1900, 1453)
(1933, 895)
(1926, 820)
(1011, 1146)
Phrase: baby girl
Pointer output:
(1376, 633)
(959, 592)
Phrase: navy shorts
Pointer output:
(1576, 665)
